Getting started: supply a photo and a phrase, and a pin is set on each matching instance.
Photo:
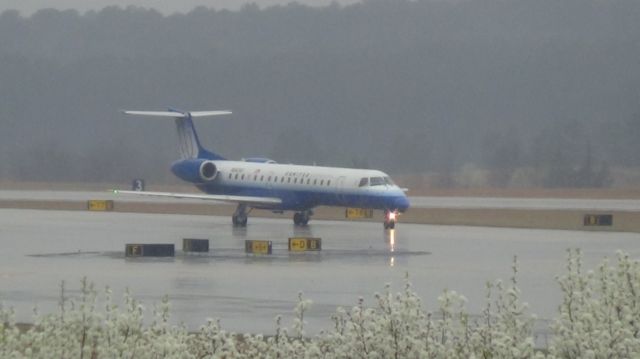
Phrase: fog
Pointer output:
(526, 93)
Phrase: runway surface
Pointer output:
(418, 202)
(42, 248)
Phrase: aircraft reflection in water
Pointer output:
(240, 232)
(390, 238)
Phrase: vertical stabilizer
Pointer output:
(188, 142)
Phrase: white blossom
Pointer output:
(599, 317)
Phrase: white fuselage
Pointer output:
(303, 187)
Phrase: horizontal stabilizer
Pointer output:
(210, 197)
(174, 114)
(157, 113)
(208, 113)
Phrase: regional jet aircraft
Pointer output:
(261, 183)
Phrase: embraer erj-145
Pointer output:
(261, 183)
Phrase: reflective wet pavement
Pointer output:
(41, 248)
(417, 202)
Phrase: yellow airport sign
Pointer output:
(257, 247)
(100, 205)
(598, 220)
(304, 244)
(353, 213)
(133, 250)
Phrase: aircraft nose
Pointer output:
(402, 203)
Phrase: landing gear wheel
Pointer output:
(389, 220)
(240, 216)
(301, 218)
(239, 221)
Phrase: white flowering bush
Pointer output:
(598, 318)
(600, 313)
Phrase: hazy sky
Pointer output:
(27, 7)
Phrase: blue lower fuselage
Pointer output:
(304, 199)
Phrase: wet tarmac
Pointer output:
(39, 249)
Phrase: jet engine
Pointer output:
(195, 170)
(208, 171)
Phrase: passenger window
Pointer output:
(364, 181)
(288, 179)
(328, 182)
(242, 176)
(321, 182)
(315, 182)
(261, 178)
(230, 174)
(269, 179)
(308, 180)
(255, 177)
(236, 176)
(295, 180)
(282, 180)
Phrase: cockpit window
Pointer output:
(364, 181)
(388, 181)
(377, 181)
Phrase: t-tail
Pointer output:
(189, 145)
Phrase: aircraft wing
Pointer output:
(211, 197)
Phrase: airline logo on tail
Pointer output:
(188, 143)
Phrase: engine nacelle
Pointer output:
(195, 170)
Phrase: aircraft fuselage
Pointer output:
(304, 187)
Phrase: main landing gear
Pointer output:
(240, 216)
(390, 219)
(302, 218)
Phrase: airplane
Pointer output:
(261, 183)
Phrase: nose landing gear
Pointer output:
(390, 219)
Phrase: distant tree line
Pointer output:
(539, 93)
